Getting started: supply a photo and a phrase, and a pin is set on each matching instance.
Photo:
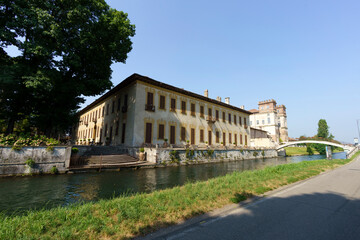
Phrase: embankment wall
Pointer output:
(12, 162)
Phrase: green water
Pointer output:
(21, 193)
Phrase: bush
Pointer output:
(189, 153)
(142, 150)
(16, 148)
(50, 148)
(26, 140)
(255, 154)
(174, 156)
(309, 150)
(210, 152)
(8, 140)
(74, 150)
(54, 170)
(30, 162)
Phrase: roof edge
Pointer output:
(137, 77)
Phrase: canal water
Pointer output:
(22, 193)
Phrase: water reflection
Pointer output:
(21, 193)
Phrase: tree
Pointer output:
(323, 134)
(67, 48)
(309, 149)
(323, 129)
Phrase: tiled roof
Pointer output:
(254, 111)
(137, 77)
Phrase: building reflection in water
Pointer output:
(18, 194)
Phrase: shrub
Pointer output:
(30, 162)
(263, 153)
(309, 150)
(54, 170)
(210, 152)
(50, 148)
(16, 148)
(174, 156)
(26, 140)
(255, 154)
(189, 153)
(74, 150)
(142, 149)
(7, 140)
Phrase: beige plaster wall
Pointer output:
(179, 119)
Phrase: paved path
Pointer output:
(323, 207)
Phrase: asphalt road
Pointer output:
(323, 207)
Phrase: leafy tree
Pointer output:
(309, 149)
(67, 48)
(323, 134)
(323, 129)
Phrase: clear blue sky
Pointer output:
(304, 54)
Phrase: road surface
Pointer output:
(324, 207)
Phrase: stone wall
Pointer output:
(12, 162)
(183, 156)
(262, 142)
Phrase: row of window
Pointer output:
(262, 121)
(230, 117)
(93, 133)
(100, 112)
(230, 138)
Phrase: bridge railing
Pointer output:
(352, 152)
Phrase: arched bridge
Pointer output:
(346, 148)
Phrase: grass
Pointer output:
(129, 216)
(295, 151)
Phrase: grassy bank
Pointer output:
(128, 216)
(298, 151)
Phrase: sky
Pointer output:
(304, 54)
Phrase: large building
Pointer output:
(141, 111)
(271, 118)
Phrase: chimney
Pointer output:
(242, 107)
(206, 93)
(227, 100)
(218, 98)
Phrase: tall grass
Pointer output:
(128, 216)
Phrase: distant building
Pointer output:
(271, 118)
(141, 111)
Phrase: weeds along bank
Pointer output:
(168, 156)
(36, 154)
(34, 160)
(139, 214)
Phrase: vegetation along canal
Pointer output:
(21, 193)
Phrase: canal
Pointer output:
(21, 193)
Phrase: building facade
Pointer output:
(141, 111)
(271, 118)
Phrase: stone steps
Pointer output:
(110, 159)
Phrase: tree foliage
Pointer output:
(309, 149)
(67, 48)
(323, 134)
(323, 129)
